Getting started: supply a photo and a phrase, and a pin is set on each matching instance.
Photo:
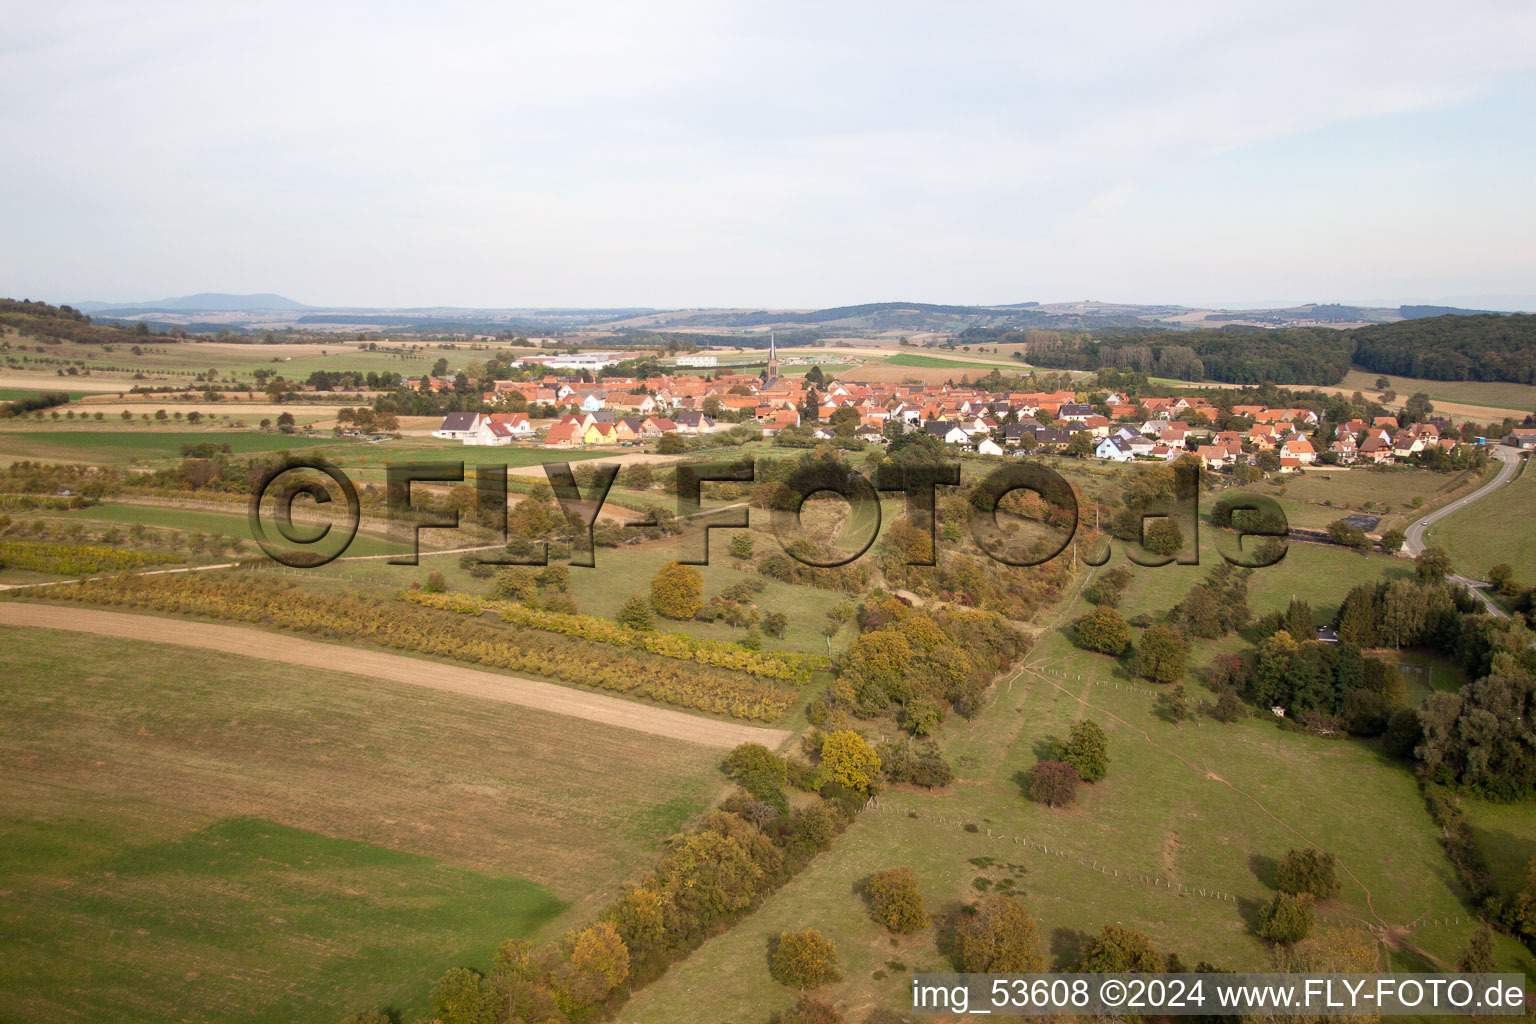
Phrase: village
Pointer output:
(1108, 425)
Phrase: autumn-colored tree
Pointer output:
(848, 759)
(597, 964)
(1103, 630)
(677, 591)
(997, 936)
(1164, 654)
(463, 996)
(894, 900)
(1163, 537)
(1053, 784)
(804, 959)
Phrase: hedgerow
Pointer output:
(714, 653)
(639, 674)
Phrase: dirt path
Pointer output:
(255, 643)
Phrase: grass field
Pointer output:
(1195, 807)
(1499, 394)
(1319, 496)
(980, 365)
(16, 394)
(1498, 528)
(233, 524)
(105, 446)
(292, 361)
(191, 835)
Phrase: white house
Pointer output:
(457, 426)
(987, 446)
(1114, 449)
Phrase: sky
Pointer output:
(780, 155)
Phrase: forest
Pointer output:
(1490, 347)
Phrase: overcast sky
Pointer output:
(773, 154)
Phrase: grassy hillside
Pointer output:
(190, 835)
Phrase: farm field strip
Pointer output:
(530, 693)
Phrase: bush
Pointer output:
(1286, 918)
(1117, 950)
(1053, 784)
(921, 716)
(1164, 652)
(636, 614)
(810, 1011)
(435, 584)
(804, 959)
(1103, 630)
(1308, 872)
(677, 591)
(847, 759)
(761, 773)
(997, 936)
(920, 765)
(1086, 750)
(895, 902)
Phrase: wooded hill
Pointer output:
(1488, 347)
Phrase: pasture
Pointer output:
(1187, 812)
(100, 445)
(193, 835)
(1498, 528)
(1492, 394)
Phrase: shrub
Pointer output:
(895, 902)
(1286, 918)
(1164, 537)
(435, 584)
(760, 772)
(1307, 871)
(1164, 652)
(1053, 784)
(804, 959)
(1086, 750)
(920, 765)
(636, 614)
(741, 545)
(997, 936)
(811, 1011)
(677, 591)
(848, 759)
(921, 716)
(1117, 950)
(1103, 630)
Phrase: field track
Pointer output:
(254, 643)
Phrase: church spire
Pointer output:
(773, 355)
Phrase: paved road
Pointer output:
(1414, 542)
(323, 657)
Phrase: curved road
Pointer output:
(1414, 542)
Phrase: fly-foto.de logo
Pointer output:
(1052, 498)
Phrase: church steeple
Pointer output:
(773, 355)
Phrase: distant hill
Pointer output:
(1420, 312)
(207, 302)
